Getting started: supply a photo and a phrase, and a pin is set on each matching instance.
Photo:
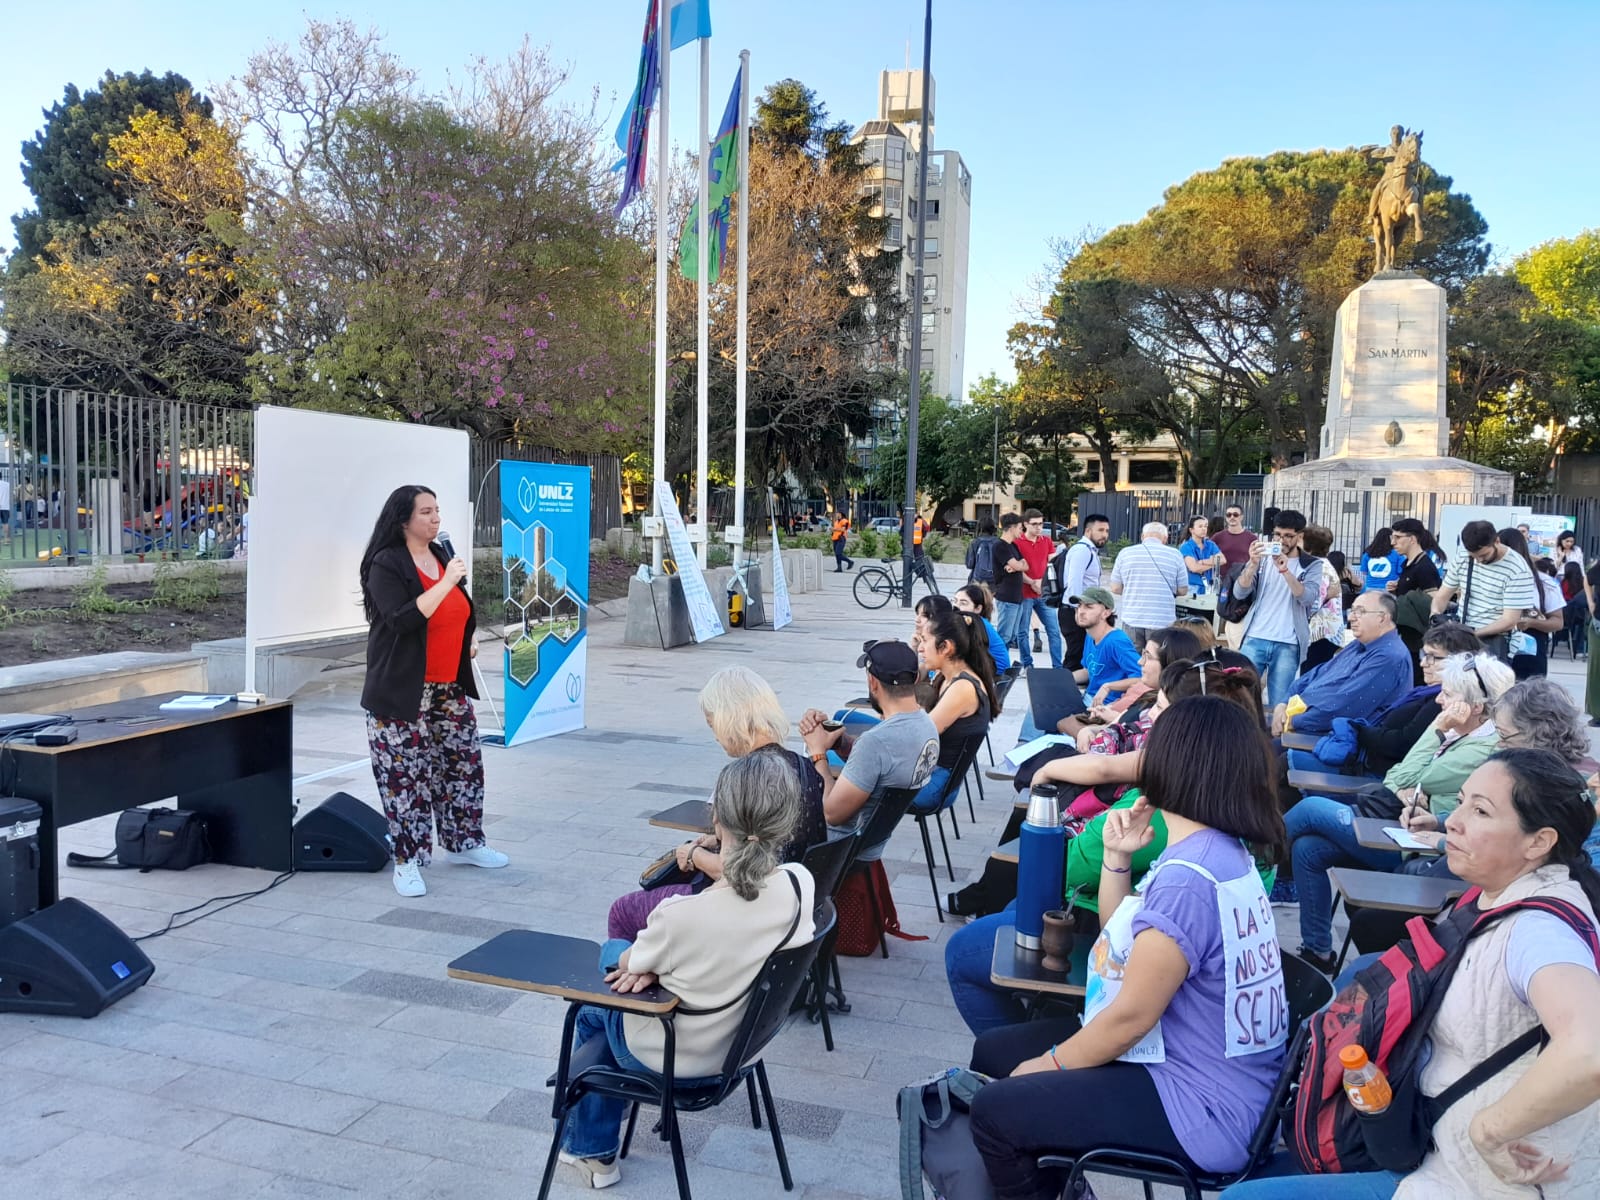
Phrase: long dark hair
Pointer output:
(1208, 759)
(390, 530)
(1236, 683)
(1548, 794)
(1511, 538)
(1174, 642)
(966, 633)
(1380, 545)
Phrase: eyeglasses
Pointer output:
(1426, 657)
(1234, 514)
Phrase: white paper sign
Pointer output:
(702, 608)
(1256, 1009)
(781, 613)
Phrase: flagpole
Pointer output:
(742, 340)
(703, 315)
(663, 155)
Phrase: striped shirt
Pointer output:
(1151, 574)
(1496, 586)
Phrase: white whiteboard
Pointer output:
(320, 482)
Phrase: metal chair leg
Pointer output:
(755, 1113)
(946, 847)
(989, 748)
(679, 1167)
(772, 1120)
(555, 1153)
(627, 1138)
(819, 988)
(927, 852)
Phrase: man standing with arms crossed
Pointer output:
(1036, 551)
(1080, 570)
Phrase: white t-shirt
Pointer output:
(1540, 940)
(1550, 591)
(5, 494)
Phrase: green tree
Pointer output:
(65, 164)
(161, 296)
(1080, 372)
(451, 259)
(955, 454)
(1564, 276)
(1238, 273)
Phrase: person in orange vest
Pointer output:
(841, 532)
(918, 528)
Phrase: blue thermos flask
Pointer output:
(1041, 862)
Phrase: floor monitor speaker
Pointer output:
(67, 960)
(341, 834)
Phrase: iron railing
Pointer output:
(86, 476)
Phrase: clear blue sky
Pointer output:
(1072, 116)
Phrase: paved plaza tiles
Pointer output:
(308, 1044)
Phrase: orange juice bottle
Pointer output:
(1363, 1082)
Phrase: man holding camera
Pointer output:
(1287, 587)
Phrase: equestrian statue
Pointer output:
(1397, 196)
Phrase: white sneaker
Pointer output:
(408, 879)
(596, 1172)
(479, 856)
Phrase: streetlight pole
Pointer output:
(994, 482)
(909, 513)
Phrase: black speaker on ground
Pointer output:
(341, 834)
(67, 960)
(19, 858)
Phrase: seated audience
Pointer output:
(1371, 745)
(707, 949)
(746, 718)
(1531, 1129)
(1161, 647)
(976, 598)
(1201, 626)
(1110, 663)
(964, 702)
(970, 949)
(1162, 1061)
(1321, 828)
(1369, 674)
(899, 751)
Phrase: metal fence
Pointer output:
(605, 485)
(87, 476)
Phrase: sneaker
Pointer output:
(478, 856)
(1326, 963)
(408, 879)
(596, 1172)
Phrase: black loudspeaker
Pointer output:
(341, 834)
(19, 858)
(69, 961)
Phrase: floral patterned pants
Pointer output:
(430, 770)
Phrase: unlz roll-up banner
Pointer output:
(544, 547)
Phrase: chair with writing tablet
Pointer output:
(1306, 989)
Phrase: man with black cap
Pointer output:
(899, 751)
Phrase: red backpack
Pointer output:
(854, 902)
(1388, 1010)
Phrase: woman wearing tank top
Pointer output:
(955, 647)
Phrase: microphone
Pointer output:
(444, 544)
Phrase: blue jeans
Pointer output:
(1321, 835)
(1008, 622)
(927, 799)
(594, 1130)
(1363, 1185)
(968, 953)
(1052, 629)
(1276, 662)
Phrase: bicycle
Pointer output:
(876, 586)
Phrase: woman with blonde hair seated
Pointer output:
(746, 718)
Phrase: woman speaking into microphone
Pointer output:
(421, 729)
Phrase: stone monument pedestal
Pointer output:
(1386, 432)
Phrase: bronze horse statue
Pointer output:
(1397, 196)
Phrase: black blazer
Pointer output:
(397, 642)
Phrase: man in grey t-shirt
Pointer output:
(899, 751)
